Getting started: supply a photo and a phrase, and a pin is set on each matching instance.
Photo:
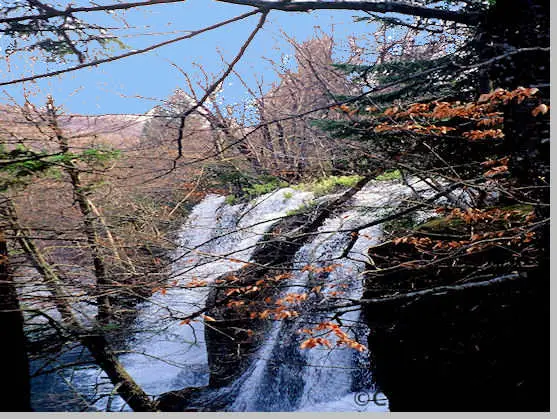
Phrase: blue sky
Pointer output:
(134, 84)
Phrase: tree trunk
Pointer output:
(103, 300)
(125, 385)
(96, 343)
(15, 388)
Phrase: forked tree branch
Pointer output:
(211, 89)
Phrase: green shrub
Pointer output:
(99, 155)
(264, 184)
(390, 175)
(329, 184)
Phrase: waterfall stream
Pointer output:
(218, 238)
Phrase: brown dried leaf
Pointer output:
(540, 109)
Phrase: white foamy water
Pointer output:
(218, 238)
(285, 377)
(234, 231)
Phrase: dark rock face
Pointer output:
(488, 349)
(234, 336)
(176, 401)
(472, 351)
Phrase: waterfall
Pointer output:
(217, 238)
(285, 377)
(162, 354)
(222, 238)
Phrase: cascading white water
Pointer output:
(216, 239)
(164, 355)
(285, 377)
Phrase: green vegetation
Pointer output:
(522, 209)
(230, 199)
(265, 184)
(389, 175)
(443, 225)
(99, 155)
(514, 214)
(301, 209)
(26, 162)
(329, 184)
(241, 184)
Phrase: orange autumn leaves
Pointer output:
(283, 307)
(504, 96)
(541, 109)
(203, 316)
(509, 234)
(316, 269)
(415, 128)
(328, 332)
(476, 134)
(432, 118)
(474, 215)
(496, 166)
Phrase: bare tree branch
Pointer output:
(368, 6)
(131, 53)
(438, 291)
(211, 89)
(52, 12)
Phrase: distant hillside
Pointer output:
(27, 124)
(122, 131)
